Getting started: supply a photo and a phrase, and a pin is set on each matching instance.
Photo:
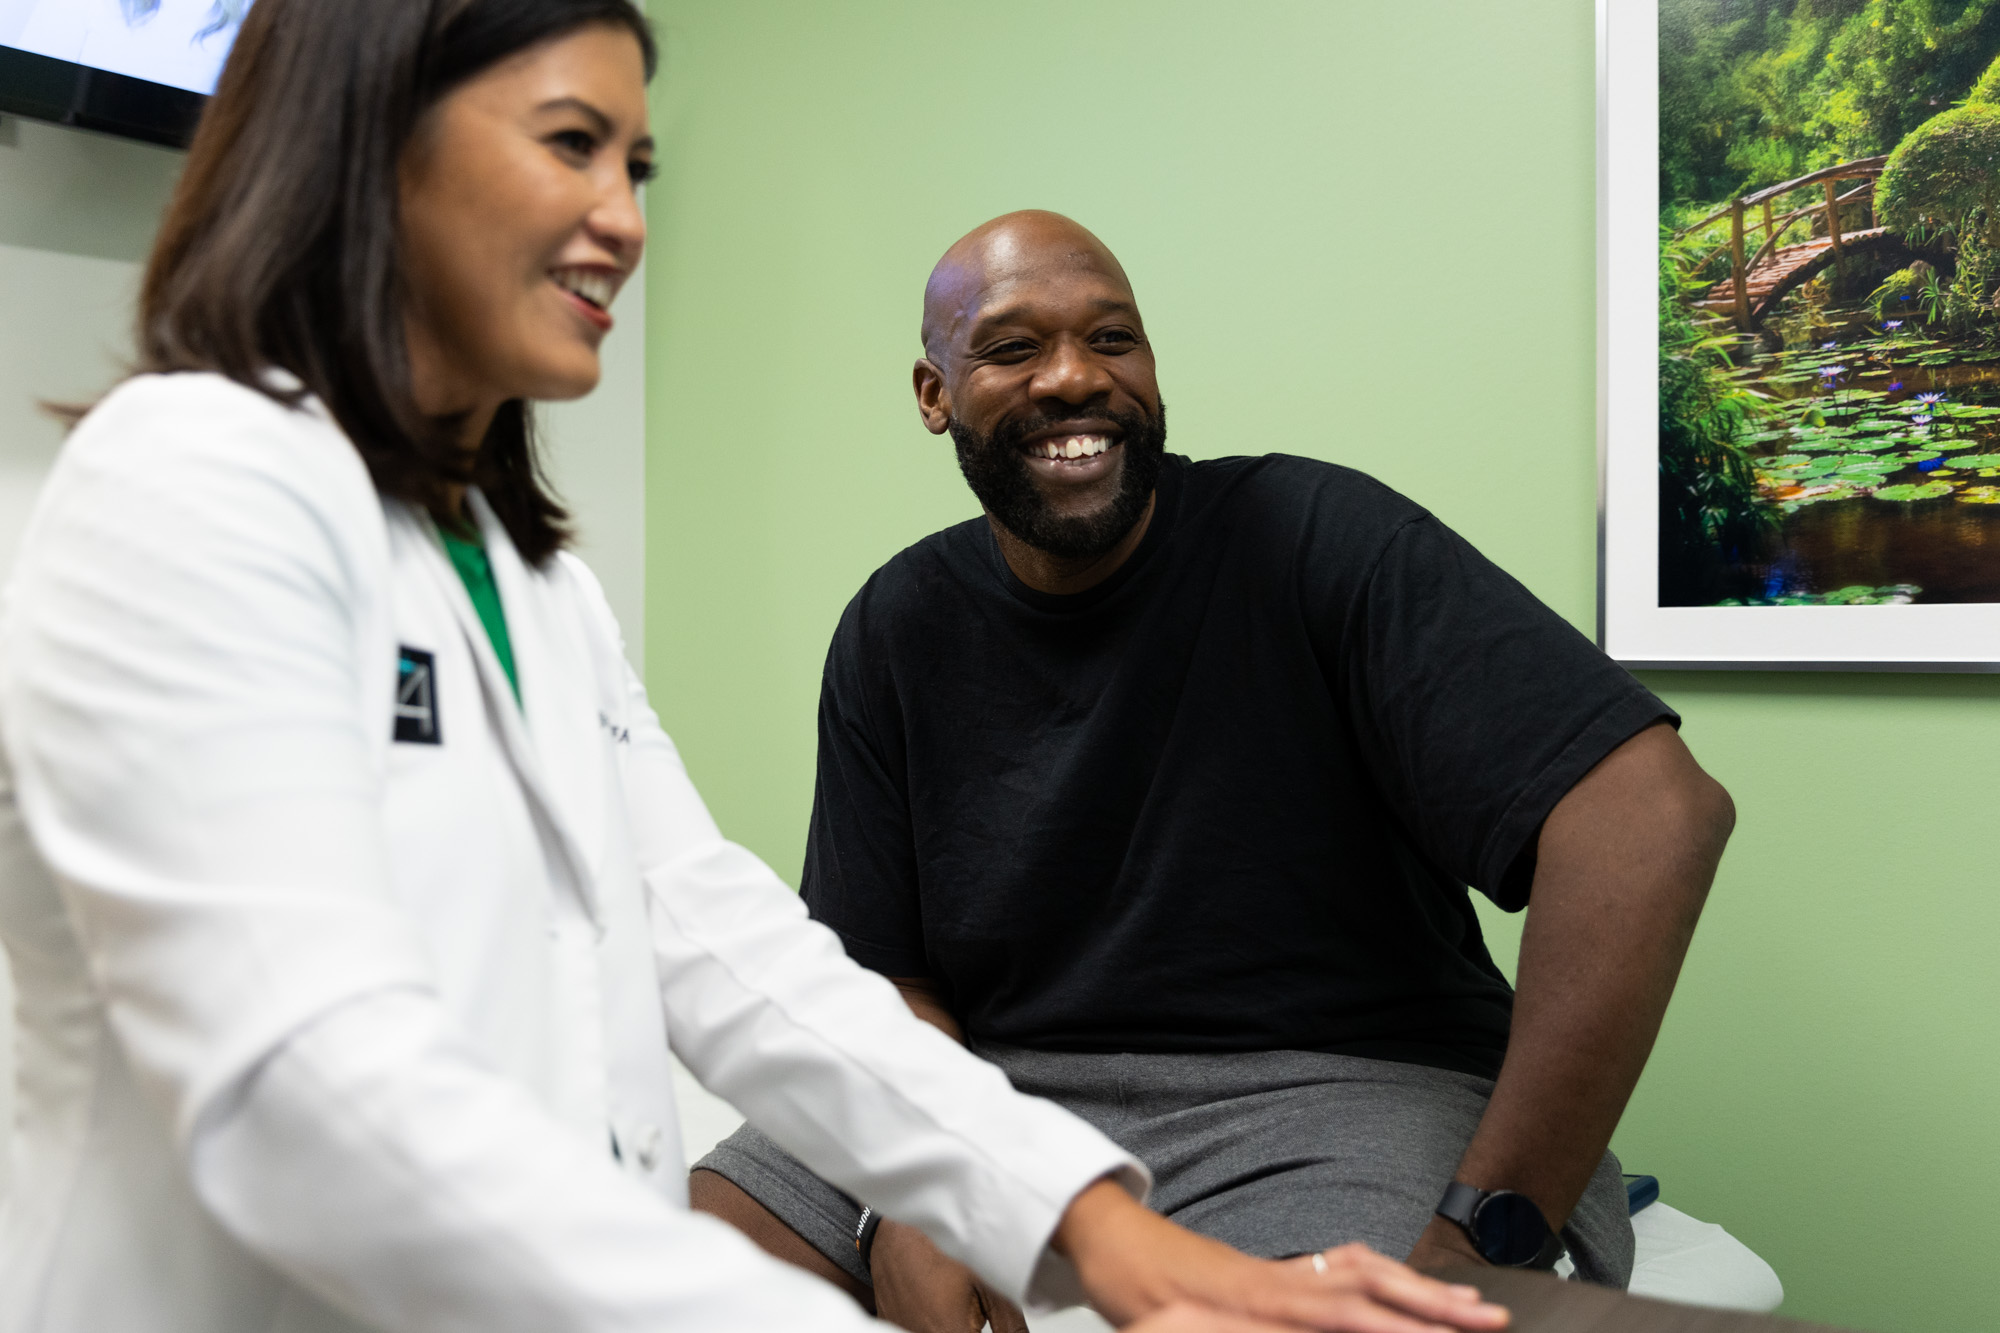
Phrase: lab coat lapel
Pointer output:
(507, 718)
(558, 700)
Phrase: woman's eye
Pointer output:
(641, 172)
(579, 143)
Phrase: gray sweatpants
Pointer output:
(1276, 1152)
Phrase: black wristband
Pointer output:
(864, 1233)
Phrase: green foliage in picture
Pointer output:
(1753, 92)
(1986, 92)
(1926, 490)
(1946, 169)
(1898, 296)
(1860, 594)
(1708, 488)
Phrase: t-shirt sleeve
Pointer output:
(1475, 706)
(861, 868)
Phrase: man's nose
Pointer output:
(1071, 374)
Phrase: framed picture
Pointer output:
(1799, 333)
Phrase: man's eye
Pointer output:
(1010, 350)
(1116, 340)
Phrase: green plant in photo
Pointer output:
(1898, 295)
(1710, 512)
(1859, 594)
(1924, 490)
(1932, 298)
(1945, 170)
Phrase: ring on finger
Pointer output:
(1318, 1261)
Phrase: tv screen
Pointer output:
(136, 67)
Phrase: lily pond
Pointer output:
(1881, 454)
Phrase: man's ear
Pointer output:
(933, 400)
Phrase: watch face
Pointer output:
(1509, 1229)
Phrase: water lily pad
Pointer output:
(1980, 495)
(1819, 495)
(1929, 490)
(1859, 594)
(1977, 460)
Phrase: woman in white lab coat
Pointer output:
(353, 893)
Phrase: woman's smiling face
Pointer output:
(520, 221)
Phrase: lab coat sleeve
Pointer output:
(767, 1010)
(442, 1198)
(185, 713)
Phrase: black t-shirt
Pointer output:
(1230, 798)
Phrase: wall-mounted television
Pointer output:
(141, 68)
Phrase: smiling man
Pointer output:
(1161, 786)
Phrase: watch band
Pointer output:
(864, 1233)
(1458, 1203)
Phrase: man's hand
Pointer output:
(1444, 1245)
(1135, 1264)
(919, 1287)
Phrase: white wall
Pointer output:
(595, 450)
(77, 214)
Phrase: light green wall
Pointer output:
(1362, 232)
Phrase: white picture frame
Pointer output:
(1633, 627)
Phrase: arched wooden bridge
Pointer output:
(1760, 279)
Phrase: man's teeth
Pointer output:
(596, 288)
(1071, 446)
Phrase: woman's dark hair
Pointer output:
(280, 247)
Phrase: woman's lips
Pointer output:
(597, 315)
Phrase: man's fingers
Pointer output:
(1001, 1313)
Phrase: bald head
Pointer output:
(1014, 249)
(1036, 363)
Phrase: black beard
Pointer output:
(996, 469)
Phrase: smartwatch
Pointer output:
(1506, 1228)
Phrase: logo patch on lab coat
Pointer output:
(416, 698)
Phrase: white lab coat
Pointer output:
(323, 1029)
